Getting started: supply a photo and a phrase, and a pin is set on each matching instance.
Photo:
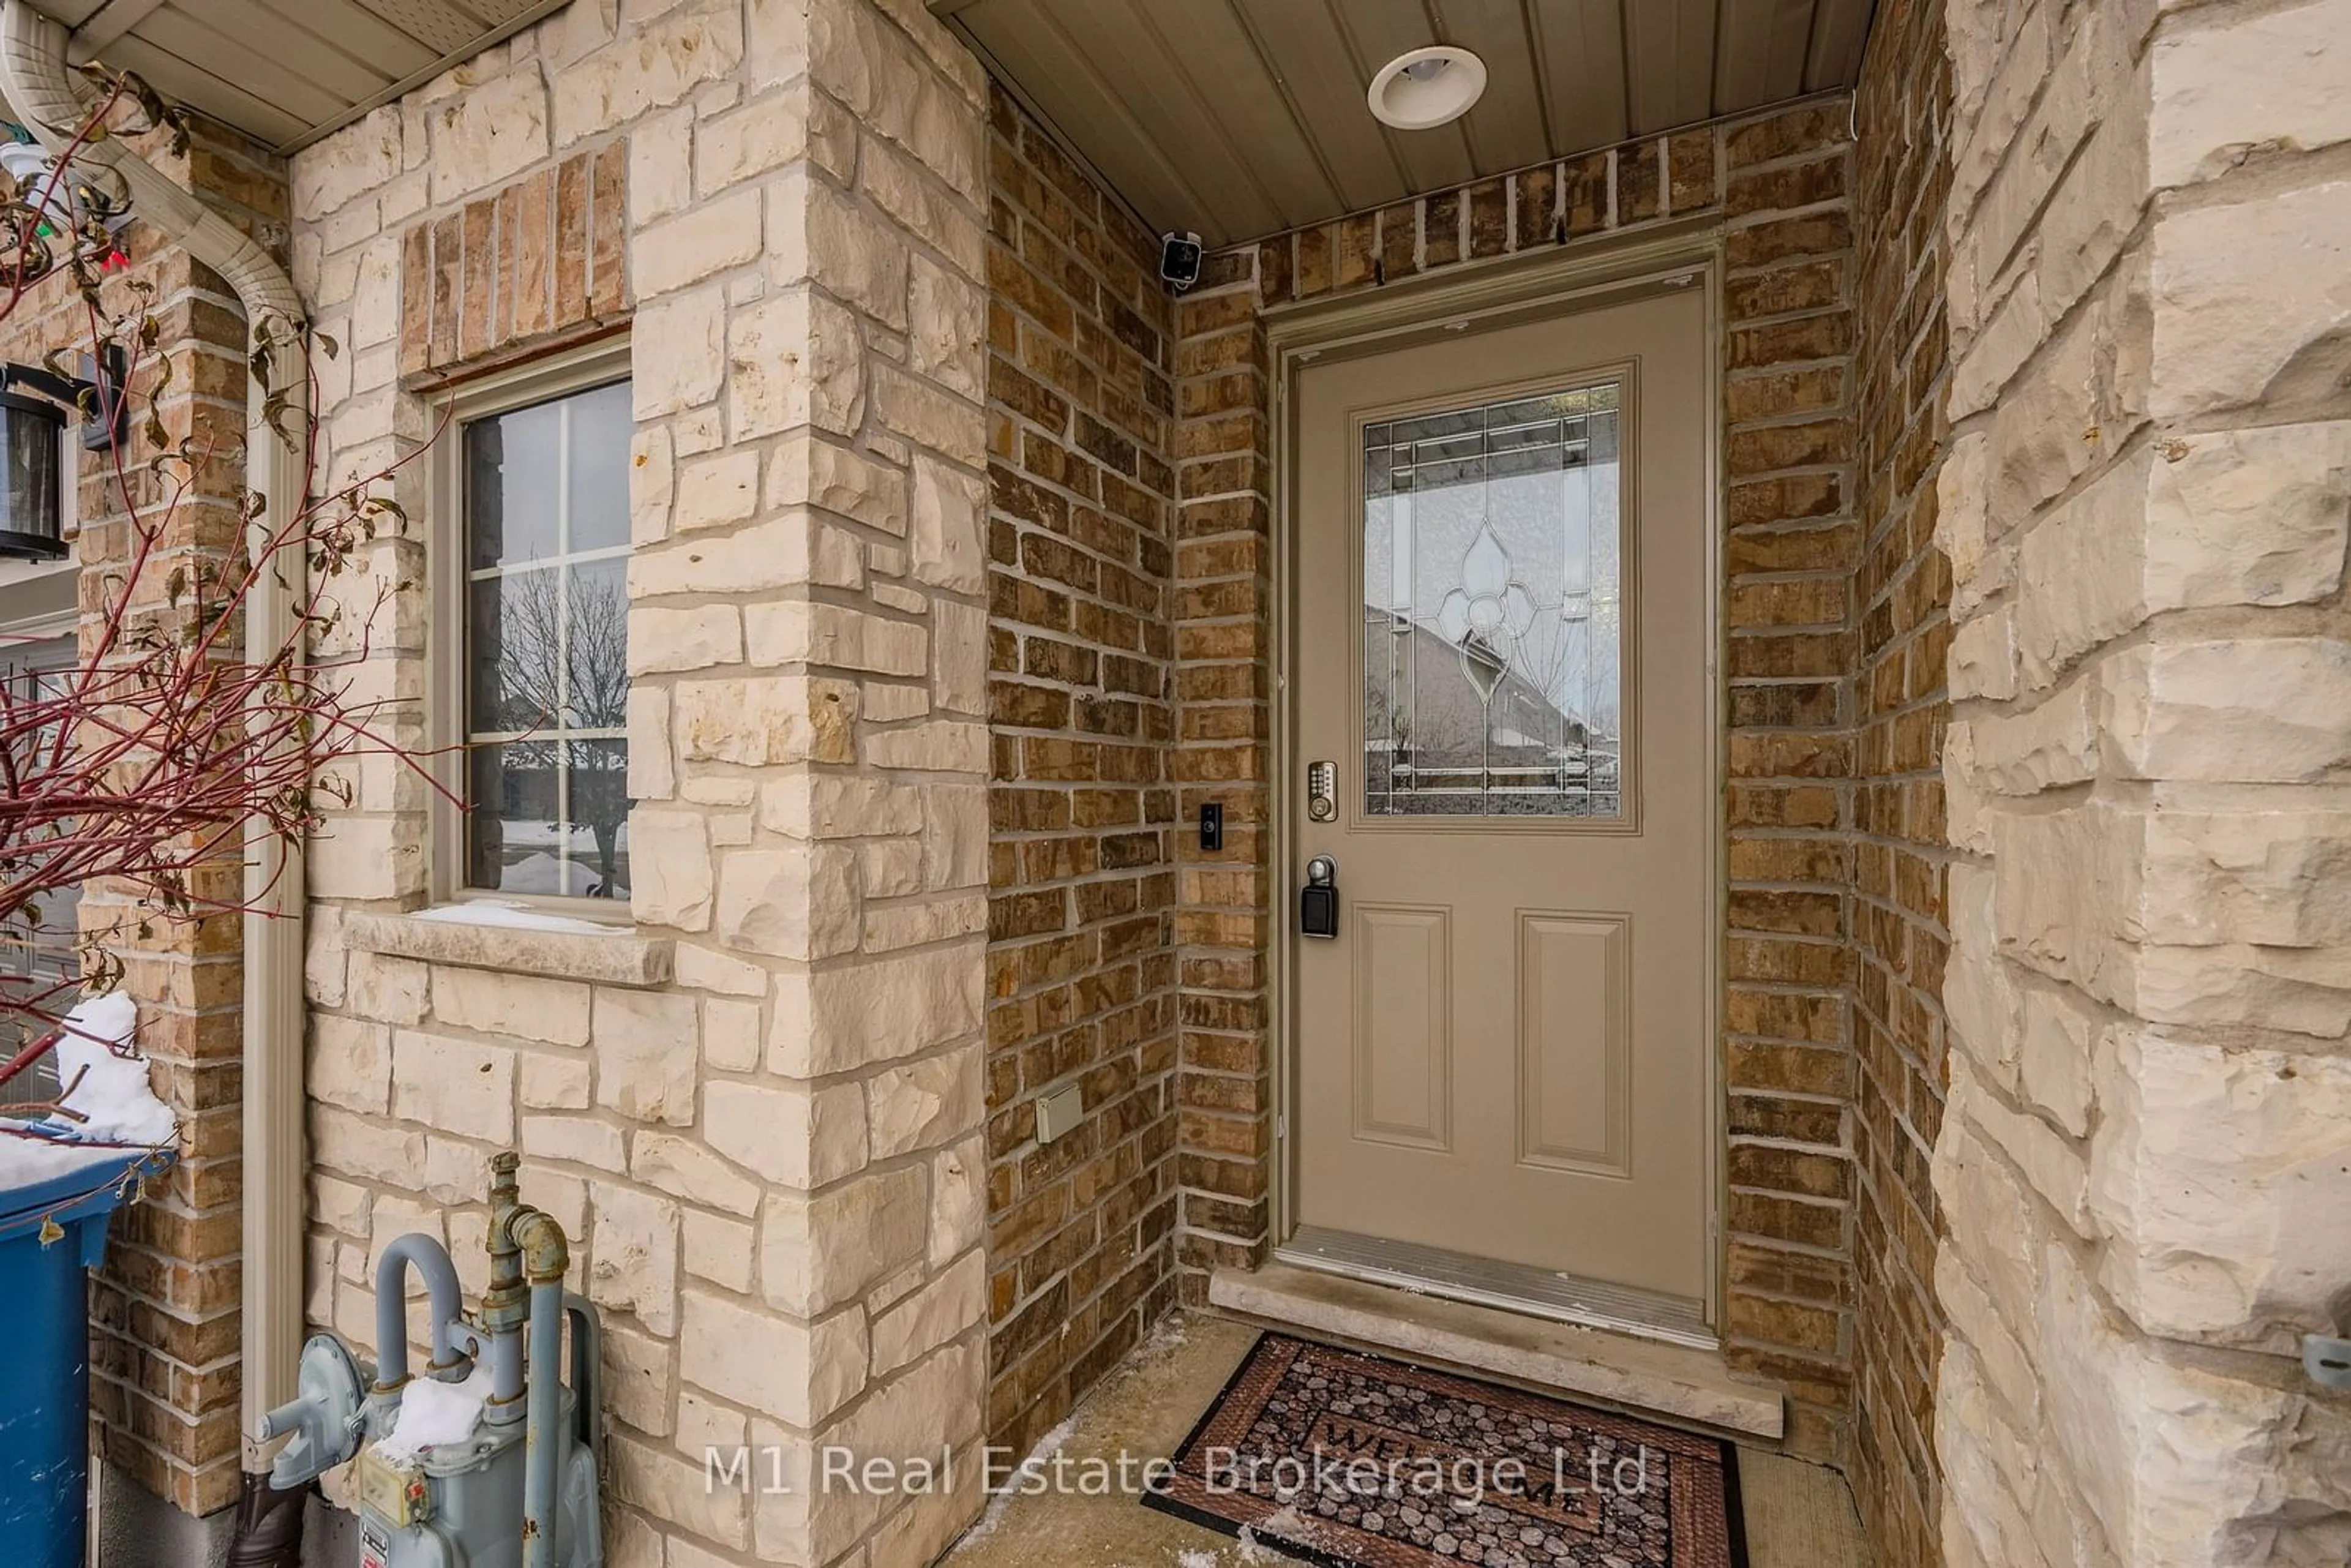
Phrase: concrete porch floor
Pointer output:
(1798, 1515)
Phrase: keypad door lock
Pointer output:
(1322, 791)
(1318, 901)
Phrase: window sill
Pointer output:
(616, 957)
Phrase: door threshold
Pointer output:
(1682, 1384)
(1513, 1287)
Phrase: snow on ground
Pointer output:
(1047, 1447)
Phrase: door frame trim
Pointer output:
(1543, 283)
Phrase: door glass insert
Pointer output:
(1493, 636)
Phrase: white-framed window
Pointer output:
(537, 475)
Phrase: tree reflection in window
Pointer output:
(1492, 632)
(547, 518)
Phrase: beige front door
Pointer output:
(1503, 628)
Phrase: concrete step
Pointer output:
(1675, 1383)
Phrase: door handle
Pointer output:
(1318, 901)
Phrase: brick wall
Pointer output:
(1902, 595)
(164, 1325)
(1779, 186)
(1081, 965)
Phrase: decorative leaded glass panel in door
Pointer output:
(1493, 635)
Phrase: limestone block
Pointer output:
(661, 170)
(682, 1166)
(714, 491)
(1966, 811)
(934, 1403)
(719, 1250)
(669, 863)
(340, 1205)
(354, 160)
(484, 137)
(959, 662)
(676, 1491)
(646, 1044)
(797, 1136)
(1995, 1234)
(764, 134)
(797, 1372)
(932, 1316)
(889, 868)
(839, 806)
(2178, 1463)
(2052, 1166)
(653, 483)
(852, 1016)
(799, 902)
(633, 1253)
(777, 553)
(676, 351)
(926, 414)
(707, 969)
(350, 1063)
(364, 1147)
(323, 957)
(800, 632)
(375, 305)
(817, 234)
(2250, 516)
(913, 924)
(636, 1369)
(2273, 709)
(925, 1103)
(2219, 1175)
(385, 989)
(453, 1085)
(732, 1033)
(2070, 893)
(2250, 303)
(809, 471)
(2054, 743)
(794, 359)
(1987, 1465)
(1984, 656)
(651, 64)
(947, 316)
(548, 1083)
(524, 1006)
(767, 720)
(938, 746)
(899, 186)
(944, 541)
(2056, 1048)
(708, 238)
(1979, 998)
(878, 73)
(2304, 991)
(2256, 870)
(818, 1252)
(2255, 84)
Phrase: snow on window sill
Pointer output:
(518, 940)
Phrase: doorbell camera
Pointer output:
(1179, 260)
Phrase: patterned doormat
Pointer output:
(1355, 1461)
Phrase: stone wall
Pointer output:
(1901, 596)
(758, 1108)
(1777, 189)
(2144, 510)
(1081, 963)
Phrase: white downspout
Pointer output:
(34, 79)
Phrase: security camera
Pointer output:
(1179, 260)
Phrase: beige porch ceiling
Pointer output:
(287, 72)
(1237, 118)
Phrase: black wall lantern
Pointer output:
(32, 446)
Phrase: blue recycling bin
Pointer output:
(44, 1323)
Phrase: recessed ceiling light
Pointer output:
(1423, 88)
